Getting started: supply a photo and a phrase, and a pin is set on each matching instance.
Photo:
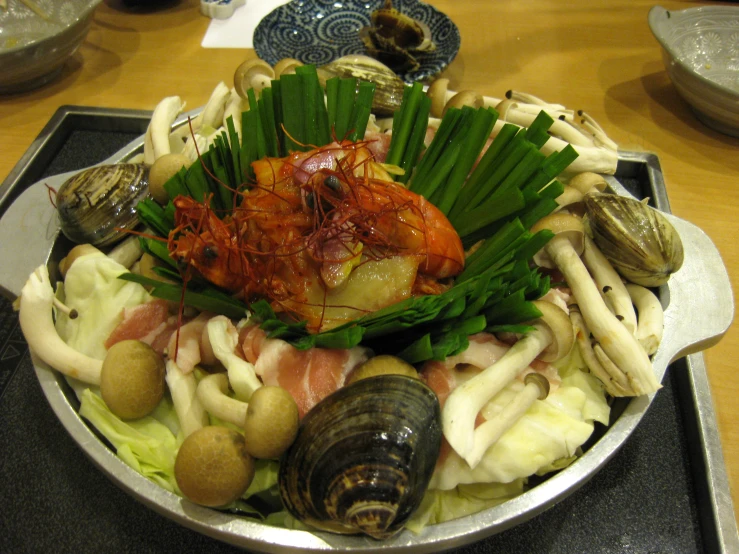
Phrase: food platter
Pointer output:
(318, 32)
(681, 295)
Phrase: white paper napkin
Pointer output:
(238, 30)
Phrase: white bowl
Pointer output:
(33, 46)
(700, 49)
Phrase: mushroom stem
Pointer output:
(212, 114)
(615, 383)
(651, 317)
(511, 112)
(590, 158)
(127, 252)
(621, 347)
(465, 402)
(213, 394)
(610, 284)
(224, 338)
(156, 142)
(536, 388)
(183, 388)
(535, 100)
(599, 134)
(71, 312)
(36, 300)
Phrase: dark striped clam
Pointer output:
(96, 202)
(363, 457)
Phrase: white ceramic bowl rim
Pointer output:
(656, 18)
(55, 30)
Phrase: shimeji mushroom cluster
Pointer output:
(132, 381)
(614, 343)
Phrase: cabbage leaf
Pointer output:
(551, 431)
(92, 287)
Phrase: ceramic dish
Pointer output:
(695, 317)
(34, 45)
(700, 49)
(319, 31)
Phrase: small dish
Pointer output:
(700, 49)
(37, 39)
(319, 31)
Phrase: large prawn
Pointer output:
(309, 222)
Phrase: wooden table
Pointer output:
(596, 56)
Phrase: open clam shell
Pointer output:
(95, 203)
(363, 457)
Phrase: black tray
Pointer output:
(665, 491)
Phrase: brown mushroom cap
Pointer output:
(271, 422)
(465, 98)
(212, 467)
(161, 171)
(254, 73)
(75, 253)
(286, 66)
(503, 106)
(560, 327)
(437, 92)
(132, 379)
(569, 196)
(382, 365)
(563, 225)
(588, 181)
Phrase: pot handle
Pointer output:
(698, 298)
(28, 230)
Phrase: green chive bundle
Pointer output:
(494, 198)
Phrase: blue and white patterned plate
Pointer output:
(319, 31)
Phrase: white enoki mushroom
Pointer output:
(617, 343)
(651, 317)
(224, 338)
(615, 382)
(610, 284)
(213, 394)
(36, 301)
(551, 339)
(189, 409)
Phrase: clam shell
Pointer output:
(640, 243)
(388, 86)
(96, 201)
(363, 457)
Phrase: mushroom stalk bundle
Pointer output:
(610, 284)
(614, 344)
(551, 340)
(597, 152)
